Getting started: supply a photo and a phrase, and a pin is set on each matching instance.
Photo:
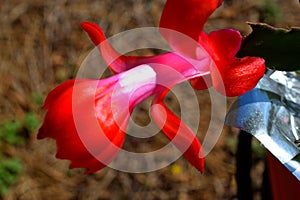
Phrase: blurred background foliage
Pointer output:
(43, 45)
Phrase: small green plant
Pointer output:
(37, 98)
(10, 170)
(31, 122)
(14, 133)
(9, 133)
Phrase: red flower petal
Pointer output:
(202, 82)
(238, 76)
(222, 44)
(54, 94)
(119, 63)
(88, 118)
(94, 31)
(60, 124)
(231, 76)
(113, 59)
(187, 16)
(179, 134)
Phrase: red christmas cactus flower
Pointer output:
(88, 118)
(189, 17)
(92, 101)
(204, 59)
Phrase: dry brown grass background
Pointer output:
(43, 45)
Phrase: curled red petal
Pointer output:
(94, 31)
(238, 76)
(222, 44)
(229, 75)
(60, 124)
(54, 94)
(88, 118)
(119, 63)
(113, 59)
(179, 134)
(187, 17)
